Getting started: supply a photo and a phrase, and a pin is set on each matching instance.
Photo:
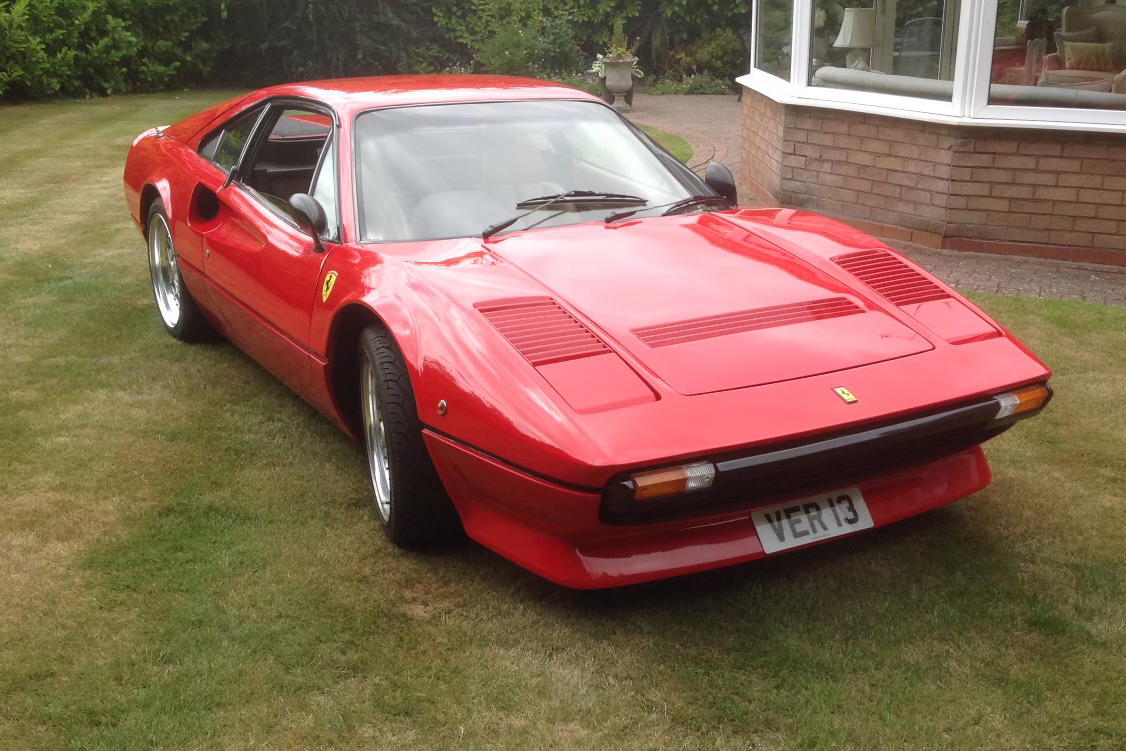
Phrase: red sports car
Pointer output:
(552, 335)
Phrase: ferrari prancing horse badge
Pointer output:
(845, 394)
(326, 290)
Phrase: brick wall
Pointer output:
(1045, 193)
(762, 147)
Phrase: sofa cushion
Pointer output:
(1091, 80)
(1108, 22)
(1089, 56)
(1083, 35)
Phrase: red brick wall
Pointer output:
(1036, 192)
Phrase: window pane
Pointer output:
(233, 138)
(904, 47)
(286, 160)
(451, 170)
(1050, 54)
(325, 190)
(775, 26)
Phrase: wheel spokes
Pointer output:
(375, 438)
(165, 273)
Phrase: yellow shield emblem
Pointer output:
(326, 289)
(845, 394)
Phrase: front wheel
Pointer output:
(411, 503)
(178, 311)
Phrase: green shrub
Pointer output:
(468, 27)
(538, 47)
(582, 81)
(85, 47)
(702, 83)
(286, 40)
(93, 47)
(662, 25)
(717, 53)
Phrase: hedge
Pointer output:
(97, 47)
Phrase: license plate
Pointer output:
(794, 523)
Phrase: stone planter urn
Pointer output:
(619, 80)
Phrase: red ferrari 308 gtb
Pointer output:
(553, 335)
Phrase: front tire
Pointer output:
(178, 311)
(410, 502)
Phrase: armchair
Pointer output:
(1103, 24)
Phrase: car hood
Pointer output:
(705, 305)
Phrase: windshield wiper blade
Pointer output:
(542, 202)
(583, 196)
(671, 207)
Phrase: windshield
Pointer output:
(453, 170)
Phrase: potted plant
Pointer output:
(618, 70)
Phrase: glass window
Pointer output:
(774, 25)
(324, 190)
(225, 147)
(453, 170)
(286, 159)
(903, 47)
(1049, 53)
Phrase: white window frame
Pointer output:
(969, 105)
(768, 83)
(1036, 117)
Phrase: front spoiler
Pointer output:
(556, 531)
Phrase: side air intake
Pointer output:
(890, 277)
(541, 330)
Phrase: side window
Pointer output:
(324, 190)
(286, 160)
(209, 144)
(225, 145)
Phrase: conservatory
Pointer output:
(984, 125)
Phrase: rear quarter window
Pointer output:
(224, 147)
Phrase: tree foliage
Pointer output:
(95, 47)
(82, 47)
(268, 41)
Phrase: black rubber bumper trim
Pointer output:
(780, 471)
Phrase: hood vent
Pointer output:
(890, 277)
(748, 320)
(541, 330)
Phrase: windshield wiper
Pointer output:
(571, 196)
(541, 201)
(670, 208)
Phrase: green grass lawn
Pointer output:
(188, 559)
(673, 143)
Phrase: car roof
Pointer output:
(354, 94)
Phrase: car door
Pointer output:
(263, 267)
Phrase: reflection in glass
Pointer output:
(1054, 54)
(904, 47)
(774, 24)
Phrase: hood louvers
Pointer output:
(541, 330)
(695, 329)
(890, 277)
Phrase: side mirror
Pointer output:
(311, 215)
(719, 178)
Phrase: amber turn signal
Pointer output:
(662, 482)
(1022, 400)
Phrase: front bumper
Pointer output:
(798, 468)
(559, 532)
